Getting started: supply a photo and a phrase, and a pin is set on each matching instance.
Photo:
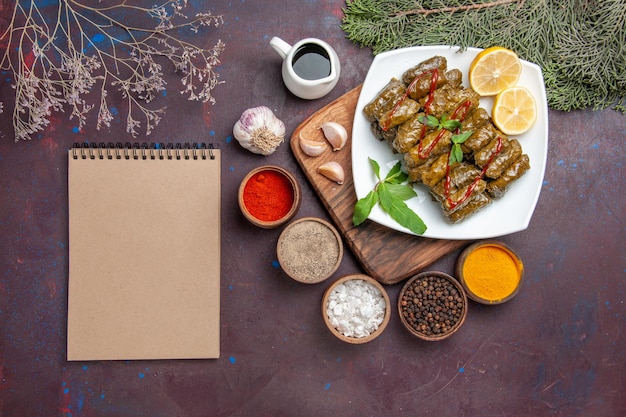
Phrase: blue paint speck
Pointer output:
(212, 132)
(85, 367)
(229, 139)
(232, 359)
(231, 168)
(75, 129)
(595, 146)
(164, 93)
(327, 386)
(141, 375)
(102, 396)
(66, 391)
(81, 401)
(114, 111)
(461, 369)
(230, 287)
(561, 162)
(275, 264)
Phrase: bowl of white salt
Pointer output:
(356, 308)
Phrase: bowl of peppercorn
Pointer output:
(432, 305)
(269, 196)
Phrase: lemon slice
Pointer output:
(493, 70)
(514, 110)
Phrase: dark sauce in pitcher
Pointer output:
(311, 62)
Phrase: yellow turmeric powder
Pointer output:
(492, 272)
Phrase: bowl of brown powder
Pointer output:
(309, 250)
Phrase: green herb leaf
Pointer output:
(461, 137)
(363, 207)
(450, 124)
(399, 211)
(396, 175)
(444, 123)
(390, 193)
(400, 191)
(375, 167)
(456, 154)
(394, 170)
(430, 121)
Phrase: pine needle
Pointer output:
(579, 44)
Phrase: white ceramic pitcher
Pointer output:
(310, 68)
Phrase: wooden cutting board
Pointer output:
(387, 255)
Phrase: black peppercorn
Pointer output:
(431, 305)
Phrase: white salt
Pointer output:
(356, 308)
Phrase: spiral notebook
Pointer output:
(144, 252)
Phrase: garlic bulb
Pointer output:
(336, 134)
(333, 171)
(312, 147)
(259, 130)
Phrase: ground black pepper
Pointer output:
(432, 305)
(309, 250)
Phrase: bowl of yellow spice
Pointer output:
(490, 272)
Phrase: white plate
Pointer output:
(507, 215)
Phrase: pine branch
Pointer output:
(454, 9)
(579, 44)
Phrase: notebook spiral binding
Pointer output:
(142, 151)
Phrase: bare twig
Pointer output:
(58, 59)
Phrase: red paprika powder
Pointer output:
(268, 195)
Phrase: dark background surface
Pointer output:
(557, 349)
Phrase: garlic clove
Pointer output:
(335, 134)
(312, 147)
(333, 171)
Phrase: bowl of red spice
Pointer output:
(432, 305)
(269, 196)
(490, 271)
